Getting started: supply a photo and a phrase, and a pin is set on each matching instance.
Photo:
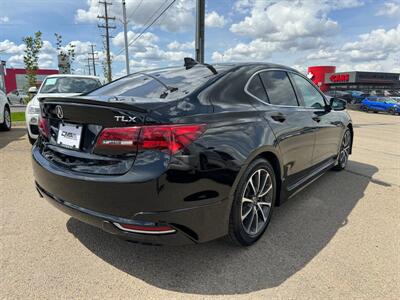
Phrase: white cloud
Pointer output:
(286, 20)
(146, 48)
(375, 50)
(4, 19)
(175, 45)
(256, 50)
(390, 8)
(179, 17)
(213, 19)
(9, 47)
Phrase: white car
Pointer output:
(62, 85)
(5, 113)
(17, 96)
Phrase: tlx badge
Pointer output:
(126, 119)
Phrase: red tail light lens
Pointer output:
(44, 127)
(171, 138)
(122, 139)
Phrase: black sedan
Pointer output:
(188, 154)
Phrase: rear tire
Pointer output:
(253, 203)
(343, 156)
(6, 125)
(392, 111)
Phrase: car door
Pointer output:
(291, 124)
(328, 124)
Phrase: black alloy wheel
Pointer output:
(253, 203)
(344, 151)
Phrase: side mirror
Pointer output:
(32, 90)
(338, 104)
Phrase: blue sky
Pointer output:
(351, 34)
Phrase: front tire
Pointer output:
(253, 203)
(6, 125)
(344, 152)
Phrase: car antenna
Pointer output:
(190, 63)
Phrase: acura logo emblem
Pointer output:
(59, 112)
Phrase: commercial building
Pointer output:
(16, 78)
(327, 79)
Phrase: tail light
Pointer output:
(170, 138)
(44, 126)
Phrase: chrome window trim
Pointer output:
(277, 105)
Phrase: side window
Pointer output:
(279, 89)
(311, 97)
(256, 88)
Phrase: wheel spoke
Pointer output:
(262, 212)
(256, 217)
(266, 192)
(264, 203)
(252, 186)
(244, 199)
(251, 221)
(247, 213)
(263, 185)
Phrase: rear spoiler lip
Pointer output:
(91, 102)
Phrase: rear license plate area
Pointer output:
(69, 135)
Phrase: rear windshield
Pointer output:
(181, 82)
(61, 85)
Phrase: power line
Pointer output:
(92, 58)
(136, 8)
(148, 26)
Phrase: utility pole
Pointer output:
(88, 65)
(93, 59)
(107, 27)
(125, 22)
(199, 43)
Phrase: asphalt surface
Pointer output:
(337, 239)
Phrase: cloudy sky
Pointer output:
(351, 34)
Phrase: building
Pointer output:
(16, 79)
(327, 79)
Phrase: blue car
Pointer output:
(377, 104)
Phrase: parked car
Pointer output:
(340, 94)
(5, 112)
(357, 96)
(380, 104)
(189, 154)
(17, 96)
(60, 85)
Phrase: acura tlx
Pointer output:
(188, 154)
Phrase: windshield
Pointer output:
(61, 85)
(180, 81)
(388, 100)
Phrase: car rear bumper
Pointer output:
(105, 202)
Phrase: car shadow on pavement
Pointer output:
(299, 230)
(15, 134)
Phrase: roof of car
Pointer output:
(73, 75)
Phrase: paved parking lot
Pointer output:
(338, 239)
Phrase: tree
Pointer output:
(66, 54)
(33, 45)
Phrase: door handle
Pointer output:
(317, 119)
(279, 118)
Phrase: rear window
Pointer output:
(138, 85)
(279, 89)
(68, 84)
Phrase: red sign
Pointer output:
(339, 77)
